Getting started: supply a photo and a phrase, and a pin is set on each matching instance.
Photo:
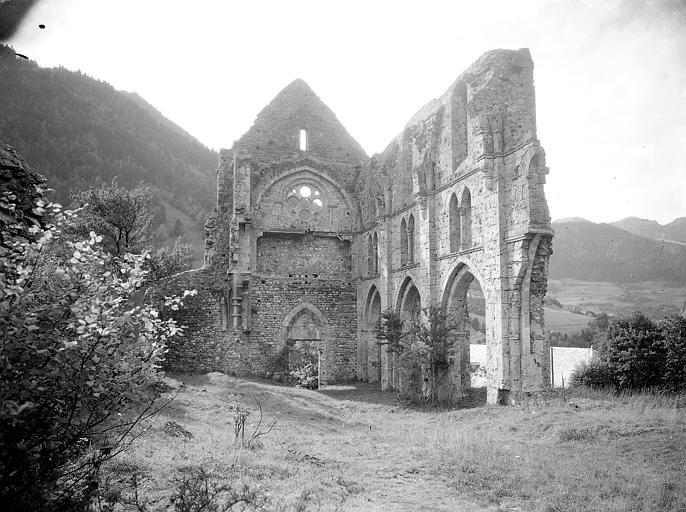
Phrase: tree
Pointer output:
(634, 351)
(389, 331)
(422, 350)
(75, 351)
(177, 230)
(167, 261)
(430, 347)
(122, 217)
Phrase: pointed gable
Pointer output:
(297, 113)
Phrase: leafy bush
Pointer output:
(76, 348)
(634, 351)
(305, 376)
(639, 353)
(674, 330)
(593, 374)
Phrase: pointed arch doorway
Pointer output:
(306, 338)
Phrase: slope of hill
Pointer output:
(675, 230)
(79, 131)
(602, 252)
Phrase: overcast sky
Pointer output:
(610, 75)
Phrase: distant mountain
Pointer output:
(79, 131)
(675, 230)
(571, 219)
(603, 252)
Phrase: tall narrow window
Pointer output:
(375, 249)
(410, 239)
(370, 256)
(466, 219)
(403, 243)
(303, 140)
(454, 224)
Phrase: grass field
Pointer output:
(565, 321)
(656, 299)
(354, 448)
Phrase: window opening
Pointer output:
(403, 243)
(410, 240)
(305, 202)
(303, 140)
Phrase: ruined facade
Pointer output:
(311, 239)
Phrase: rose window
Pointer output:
(305, 202)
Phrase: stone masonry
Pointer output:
(311, 239)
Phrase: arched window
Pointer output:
(454, 224)
(370, 255)
(410, 239)
(375, 252)
(466, 219)
(403, 243)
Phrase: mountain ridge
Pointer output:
(604, 252)
(674, 230)
(80, 131)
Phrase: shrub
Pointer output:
(674, 330)
(75, 350)
(639, 353)
(634, 351)
(305, 376)
(593, 374)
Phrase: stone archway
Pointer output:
(306, 336)
(455, 306)
(370, 350)
(409, 307)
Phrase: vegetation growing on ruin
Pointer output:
(421, 351)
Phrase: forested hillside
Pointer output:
(602, 252)
(79, 131)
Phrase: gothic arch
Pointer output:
(454, 305)
(404, 292)
(325, 337)
(369, 351)
(316, 173)
(297, 310)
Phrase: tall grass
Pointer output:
(613, 452)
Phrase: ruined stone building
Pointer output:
(311, 239)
